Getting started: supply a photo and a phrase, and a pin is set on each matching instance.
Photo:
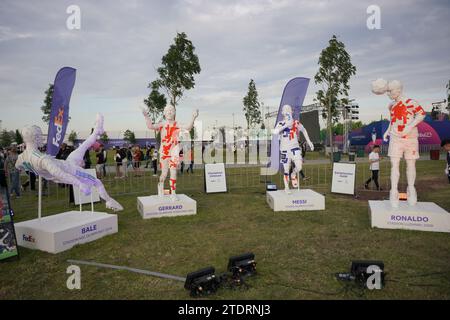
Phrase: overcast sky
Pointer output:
(120, 45)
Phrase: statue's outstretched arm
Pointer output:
(149, 121)
(190, 125)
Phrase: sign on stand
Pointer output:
(215, 178)
(343, 178)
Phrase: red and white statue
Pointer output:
(405, 114)
(169, 152)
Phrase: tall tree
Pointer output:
(252, 107)
(178, 68)
(129, 136)
(104, 138)
(47, 106)
(18, 137)
(72, 136)
(6, 138)
(448, 95)
(335, 70)
(155, 101)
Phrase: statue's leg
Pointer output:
(411, 155)
(173, 163)
(297, 159)
(173, 183)
(411, 177)
(77, 155)
(164, 170)
(395, 176)
(110, 202)
(285, 161)
(68, 173)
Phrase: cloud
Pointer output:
(6, 34)
(121, 43)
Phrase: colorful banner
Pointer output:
(293, 94)
(8, 242)
(59, 116)
(430, 133)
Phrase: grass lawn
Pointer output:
(294, 250)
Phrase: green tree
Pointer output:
(18, 137)
(448, 95)
(357, 125)
(129, 136)
(252, 107)
(72, 136)
(6, 138)
(104, 138)
(155, 101)
(179, 66)
(47, 106)
(335, 70)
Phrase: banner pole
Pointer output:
(79, 198)
(39, 197)
(92, 204)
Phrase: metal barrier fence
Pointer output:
(142, 181)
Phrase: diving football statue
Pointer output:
(290, 151)
(405, 116)
(67, 171)
(169, 152)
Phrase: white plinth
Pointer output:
(298, 200)
(424, 216)
(157, 207)
(62, 231)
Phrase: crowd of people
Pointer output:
(138, 159)
(127, 159)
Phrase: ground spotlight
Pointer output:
(202, 282)
(242, 265)
(359, 270)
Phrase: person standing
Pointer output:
(446, 145)
(2, 168)
(30, 182)
(137, 158)
(181, 155)
(190, 158)
(374, 159)
(100, 162)
(12, 171)
(105, 160)
(154, 154)
(123, 155)
(87, 160)
(148, 156)
(118, 159)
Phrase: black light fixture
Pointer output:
(242, 265)
(202, 282)
(360, 273)
(271, 186)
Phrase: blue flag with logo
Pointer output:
(293, 94)
(59, 116)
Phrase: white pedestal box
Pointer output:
(62, 231)
(157, 207)
(424, 216)
(297, 200)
